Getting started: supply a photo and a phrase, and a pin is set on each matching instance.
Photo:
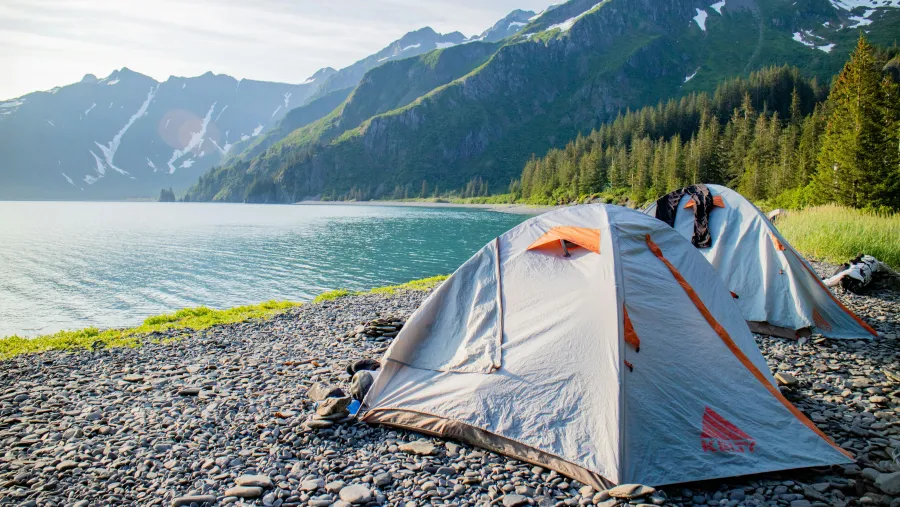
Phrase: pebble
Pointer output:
(244, 491)
(420, 447)
(189, 499)
(514, 501)
(261, 481)
(355, 494)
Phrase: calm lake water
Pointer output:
(69, 265)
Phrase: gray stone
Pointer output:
(355, 494)
(889, 483)
(420, 447)
(261, 481)
(189, 499)
(382, 480)
(786, 379)
(629, 491)
(312, 485)
(514, 501)
(66, 465)
(244, 491)
(334, 487)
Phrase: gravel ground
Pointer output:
(220, 416)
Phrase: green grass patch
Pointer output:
(333, 294)
(188, 319)
(422, 284)
(837, 234)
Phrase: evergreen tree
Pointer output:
(852, 168)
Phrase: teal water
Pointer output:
(69, 265)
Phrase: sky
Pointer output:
(48, 43)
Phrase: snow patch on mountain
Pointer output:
(113, 82)
(88, 110)
(257, 131)
(51, 123)
(109, 150)
(244, 137)
(66, 176)
(862, 20)
(275, 112)
(444, 45)
(688, 78)
(220, 112)
(513, 24)
(700, 18)
(567, 24)
(195, 141)
(187, 163)
(9, 106)
(849, 5)
(287, 99)
(222, 149)
(151, 164)
(383, 59)
(807, 38)
(718, 6)
(413, 46)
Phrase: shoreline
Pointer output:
(516, 209)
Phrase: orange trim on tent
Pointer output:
(718, 202)
(585, 238)
(723, 334)
(777, 242)
(631, 337)
(833, 298)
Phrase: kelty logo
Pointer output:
(719, 435)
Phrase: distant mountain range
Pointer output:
(477, 112)
(128, 136)
(430, 111)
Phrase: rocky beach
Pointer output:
(223, 416)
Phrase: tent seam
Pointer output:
(620, 323)
(499, 363)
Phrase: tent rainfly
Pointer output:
(776, 289)
(597, 342)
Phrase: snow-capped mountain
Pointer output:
(510, 25)
(127, 135)
(412, 44)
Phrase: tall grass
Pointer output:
(837, 234)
